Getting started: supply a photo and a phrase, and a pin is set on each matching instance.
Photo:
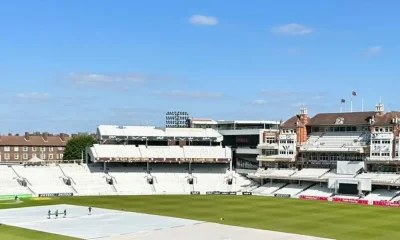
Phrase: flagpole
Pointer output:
(362, 104)
(351, 104)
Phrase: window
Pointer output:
(291, 152)
(34, 155)
(25, 156)
(270, 140)
(60, 148)
(25, 149)
(51, 149)
(385, 141)
(42, 149)
(34, 149)
(7, 156)
(43, 156)
(385, 154)
(51, 156)
(376, 129)
(6, 148)
(375, 154)
(16, 149)
(16, 156)
(376, 141)
(282, 141)
(61, 156)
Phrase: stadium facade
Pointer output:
(243, 137)
(346, 156)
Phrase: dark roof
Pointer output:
(291, 122)
(34, 140)
(386, 119)
(349, 118)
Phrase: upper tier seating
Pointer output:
(310, 173)
(44, 179)
(163, 152)
(281, 173)
(380, 177)
(336, 140)
(9, 184)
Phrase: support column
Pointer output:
(230, 165)
(148, 167)
(105, 166)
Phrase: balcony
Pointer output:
(268, 146)
(275, 158)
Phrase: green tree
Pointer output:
(76, 145)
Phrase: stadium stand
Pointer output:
(43, 179)
(293, 189)
(317, 191)
(310, 173)
(9, 184)
(209, 177)
(87, 180)
(281, 173)
(381, 194)
(380, 177)
(335, 141)
(130, 180)
(268, 188)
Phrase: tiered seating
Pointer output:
(44, 179)
(171, 179)
(381, 194)
(262, 172)
(281, 173)
(209, 177)
(124, 152)
(380, 177)
(242, 184)
(268, 188)
(310, 173)
(9, 184)
(317, 191)
(336, 140)
(130, 180)
(293, 189)
(88, 181)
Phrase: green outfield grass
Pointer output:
(309, 217)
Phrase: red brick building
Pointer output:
(16, 148)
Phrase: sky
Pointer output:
(69, 66)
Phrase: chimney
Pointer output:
(26, 136)
(45, 136)
(62, 136)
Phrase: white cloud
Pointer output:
(259, 102)
(33, 96)
(292, 29)
(104, 78)
(374, 50)
(203, 20)
(190, 94)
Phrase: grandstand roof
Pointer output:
(387, 118)
(349, 118)
(151, 131)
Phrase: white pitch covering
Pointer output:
(120, 225)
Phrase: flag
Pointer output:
(343, 101)
(354, 93)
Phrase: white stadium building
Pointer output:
(350, 156)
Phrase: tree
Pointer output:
(76, 145)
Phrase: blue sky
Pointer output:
(68, 66)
